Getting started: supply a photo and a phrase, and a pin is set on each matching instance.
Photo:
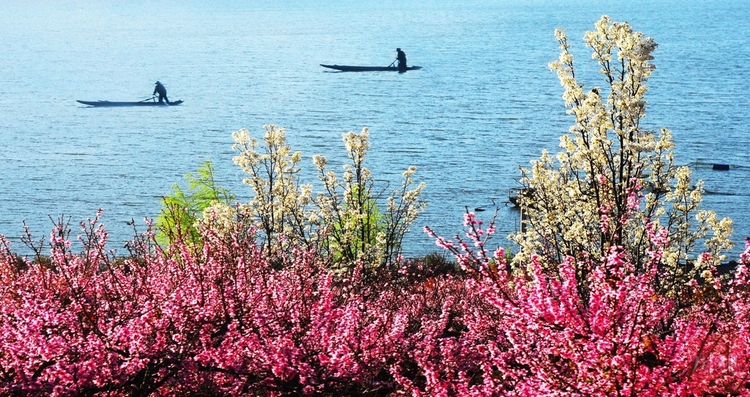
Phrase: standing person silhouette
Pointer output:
(159, 89)
(401, 58)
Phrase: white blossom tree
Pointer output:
(615, 181)
(348, 222)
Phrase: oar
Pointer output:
(148, 99)
(394, 61)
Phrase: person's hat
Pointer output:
(157, 82)
(398, 49)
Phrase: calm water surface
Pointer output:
(484, 104)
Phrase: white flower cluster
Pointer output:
(343, 222)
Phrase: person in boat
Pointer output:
(401, 58)
(162, 91)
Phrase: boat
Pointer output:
(346, 68)
(515, 195)
(141, 103)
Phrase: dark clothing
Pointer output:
(159, 89)
(401, 57)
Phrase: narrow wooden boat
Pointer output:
(515, 194)
(346, 68)
(141, 103)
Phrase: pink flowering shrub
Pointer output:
(223, 321)
(551, 332)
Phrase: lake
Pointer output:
(484, 103)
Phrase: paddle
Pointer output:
(394, 61)
(153, 99)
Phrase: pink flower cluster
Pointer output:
(223, 321)
(226, 321)
(601, 328)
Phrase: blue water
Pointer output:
(484, 103)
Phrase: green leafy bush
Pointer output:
(183, 208)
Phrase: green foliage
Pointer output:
(183, 208)
(360, 214)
